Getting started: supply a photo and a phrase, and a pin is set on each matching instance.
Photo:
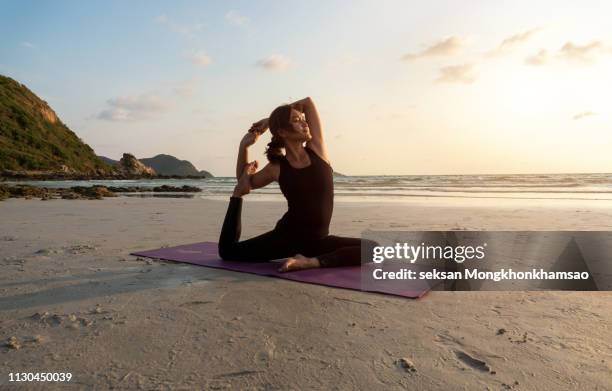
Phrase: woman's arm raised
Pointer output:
(307, 106)
(243, 151)
(249, 139)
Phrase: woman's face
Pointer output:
(299, 127)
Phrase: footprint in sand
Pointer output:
(193, 303)
(406, 364)
(456, 345)
(12, 260)
(472, 362)
(46, 318)
(80, 249)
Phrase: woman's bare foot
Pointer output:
(244, 183)
(299, 262)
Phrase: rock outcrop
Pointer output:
(130, 166)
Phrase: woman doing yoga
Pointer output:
(305, 178)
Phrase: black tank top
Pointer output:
(310, 195)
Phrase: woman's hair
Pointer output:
(279, 119)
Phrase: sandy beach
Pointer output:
(75, 301)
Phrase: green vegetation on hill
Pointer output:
(32, 137)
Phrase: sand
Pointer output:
(73, 300)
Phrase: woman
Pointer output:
(305, 178)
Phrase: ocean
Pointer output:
(594, 186)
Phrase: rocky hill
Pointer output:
(167, 165)
(34, 139)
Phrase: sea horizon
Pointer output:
(583, 186)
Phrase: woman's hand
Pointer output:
(260, 126)
(243, 186)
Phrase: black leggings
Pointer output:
(331, 250)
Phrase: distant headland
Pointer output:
(36, 144)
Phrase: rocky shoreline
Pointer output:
(62, 176)
(127, 168)
(85, 192)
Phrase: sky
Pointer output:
(402, 87)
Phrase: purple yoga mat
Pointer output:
(205, 254)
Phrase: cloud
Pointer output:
(581, 53)
(275, 62)
(463, 73)
(148, 105)
(131, 108)
(201, 59)
(235, 18)
(188, 30)
(28, 45)
(445, 47)
(512, 41)
(582, 115)
(540, 58)
(519, 37)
